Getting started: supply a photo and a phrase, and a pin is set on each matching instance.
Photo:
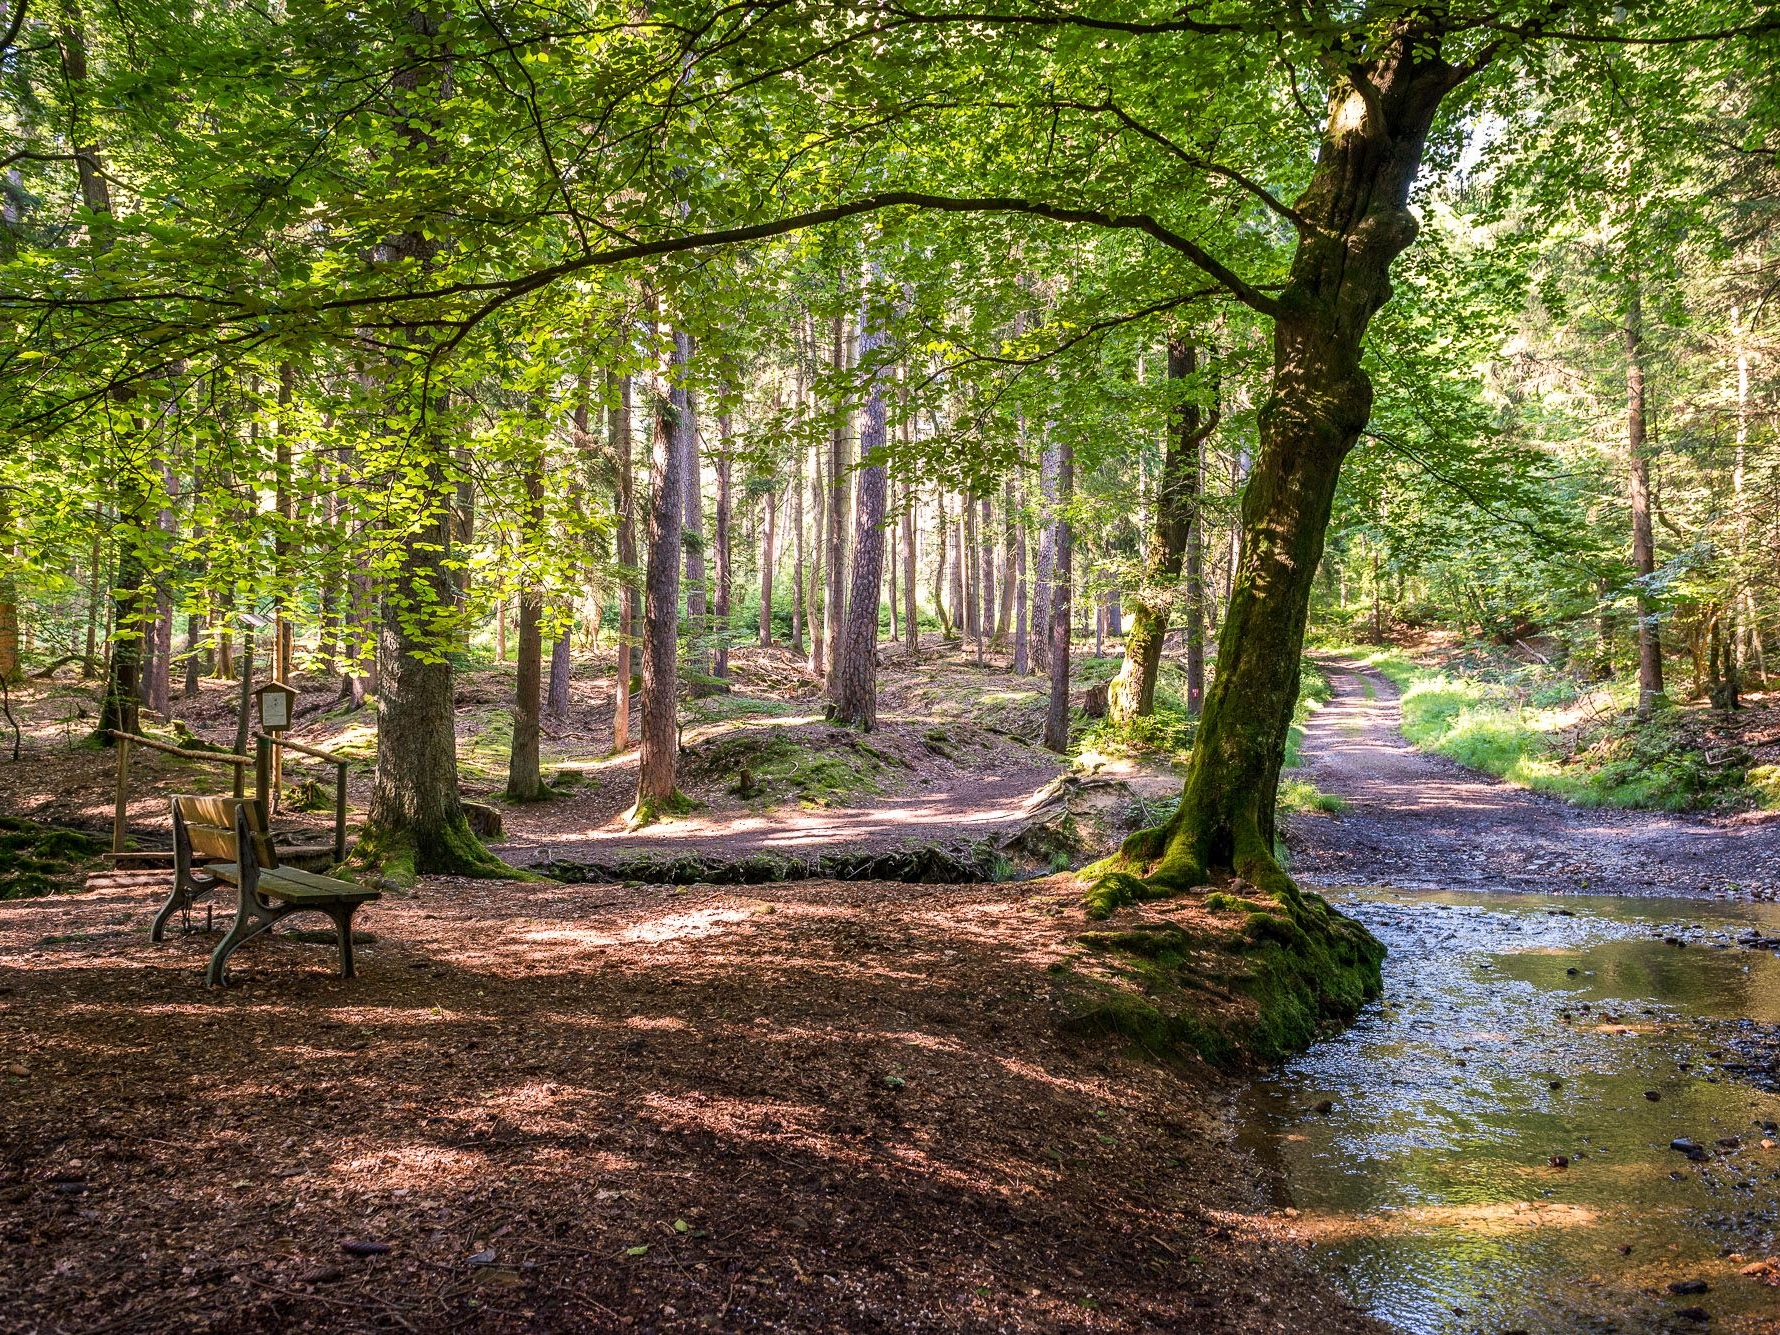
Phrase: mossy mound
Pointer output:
(1249, 980)
(768, 765)
(41, 859)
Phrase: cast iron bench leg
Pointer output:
(248, 925)
(178, 899)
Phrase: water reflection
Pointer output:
(1497, 1156)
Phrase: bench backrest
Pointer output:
(210, 828)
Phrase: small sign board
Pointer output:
(277, 702)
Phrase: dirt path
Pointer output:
(1416, 820)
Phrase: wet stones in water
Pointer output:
(1696, 1153)
(1326, 1107)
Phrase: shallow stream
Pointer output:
(1488, 1148)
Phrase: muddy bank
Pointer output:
(824, 1107)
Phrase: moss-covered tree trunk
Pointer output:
(1353, 222)
(416, 823)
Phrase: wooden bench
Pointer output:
(231, 833)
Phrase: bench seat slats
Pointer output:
(289, 883)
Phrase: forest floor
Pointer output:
(843, 1107)
(1416, 820)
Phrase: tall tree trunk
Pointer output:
(939, 563)
(1004, 616)
(630, 617)
(986, 600)
(769, 514)
(562, 663)
(1049, 461)
(911, 612)
(525, 782)
(10, 670)
(194, 625)
(720, 655)
(1022, 663)
(1356, 221)
(1133, 692)
(1062, 545)
(656, 770)
(840, 486)
(818, 596)
(95, 582)
(855, 684)
(797, 572)
(698, 621)
(1650, 643)
(968, 554)
(961, 580)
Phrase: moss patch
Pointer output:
(1256, 976)
(40, 859)
(397, 857)
(767, 766)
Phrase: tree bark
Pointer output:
(1062, 545)
(1650, 644)
(720, 653)
(630, 612)
(797, 572)
(840, 482)
(1004, 616)
(1048, 464)
(11, 671)
(698, 621)
(817, 595)
(911, 610)
(855, 682)
(1022, 663)
(656, 770)
(556, 696)
(525, 782)
(1133, 693)
(1356, 221)
(769, 514)
(940, 541)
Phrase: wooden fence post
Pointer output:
(339, 813)
(120, 822)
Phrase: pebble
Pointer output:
(1689, 1286)
(1326, 1107)
(19, 1069)
(1654, 1097)
(1682, 1145)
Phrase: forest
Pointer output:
(957, 658)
